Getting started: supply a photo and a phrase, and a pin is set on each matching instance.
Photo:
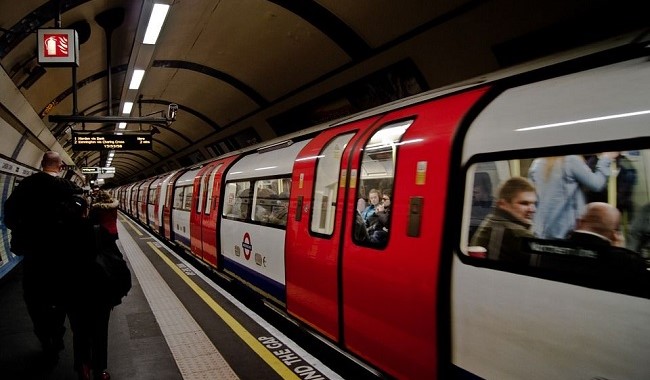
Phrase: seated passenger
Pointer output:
(279, 210)
(502, 231)
(373, 198)
(360, 231)
(264, 204)
(378, 223)
(599, 228)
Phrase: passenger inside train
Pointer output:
(567, 255)
(502, 231)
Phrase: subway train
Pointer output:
(415, 302)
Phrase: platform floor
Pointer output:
(176, 323)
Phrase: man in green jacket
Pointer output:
(502, 231)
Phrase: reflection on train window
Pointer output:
(326, 185)
(375, 189)
(187, 200)
(237, 199)
(583, 216)
(271, 200)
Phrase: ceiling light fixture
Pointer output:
(156, 21)
(136, 79)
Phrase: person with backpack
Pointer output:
(36, 213)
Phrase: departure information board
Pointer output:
(84, 141)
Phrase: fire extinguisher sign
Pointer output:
(58, 47)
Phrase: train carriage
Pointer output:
(536, 312)
(412, 301)
(253, 226)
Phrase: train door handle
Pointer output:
(415, 216)
(299, 209)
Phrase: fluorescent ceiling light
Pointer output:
(156, 21)
(121, 125)
(111, 154)
(582, 121)
(127, 107)
(136, 79)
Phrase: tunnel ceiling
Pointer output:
(246, 71)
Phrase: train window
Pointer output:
(199, 201)
(374, 196)
(237, 199)
(140, 194)
(581, 217)
(271, 200)
(208, 201)
(178, 198)
(327, 184)
(152, 195)
(187, 199)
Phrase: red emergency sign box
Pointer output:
(58, 47)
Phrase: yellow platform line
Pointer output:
(246, 336)
(127, 221)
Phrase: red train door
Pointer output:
(210, 216)
(389, 281)
(313, 227)
(196, 213)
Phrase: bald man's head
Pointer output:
(601, 218)
(51, 162)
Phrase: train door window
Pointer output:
(199, 201)
(208, 200)
(152, 195)
(372, 221)
(178, 198)
(326, 185)
(583, 219)
(271, 198)
(187, 198)
(237, 200)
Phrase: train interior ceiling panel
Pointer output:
(352, 166)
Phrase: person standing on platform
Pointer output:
(90, 309)
(33, 212)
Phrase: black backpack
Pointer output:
(113, 274)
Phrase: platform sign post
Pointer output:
(58, 47)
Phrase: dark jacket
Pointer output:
(501, 234)
(39, 213)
